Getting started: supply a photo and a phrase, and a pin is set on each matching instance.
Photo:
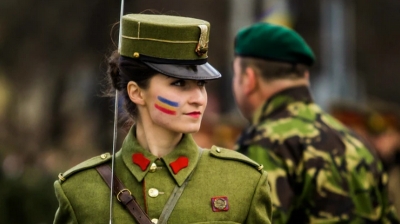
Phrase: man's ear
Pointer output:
(135, 93)
(249, 80)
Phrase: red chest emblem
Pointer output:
(219, 204)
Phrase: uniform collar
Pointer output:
(185, 151)
(275, 106)
(279, 102)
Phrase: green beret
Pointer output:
(168, 44)
(273, 42)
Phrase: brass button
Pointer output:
(153, 167)
(218, 150)
(61, 177)
(103, 156)
(136, 55)
(154, 221)
(153, 192)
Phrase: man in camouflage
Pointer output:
(319, 171)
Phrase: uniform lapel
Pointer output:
(186, 151)
(136, 157)
(180, 162)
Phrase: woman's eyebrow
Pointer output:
(169, 77)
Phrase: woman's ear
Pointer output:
(249, 80)
(135, 93)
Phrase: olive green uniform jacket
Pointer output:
(319, 171)
(84, 197)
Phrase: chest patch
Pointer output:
(219, 204)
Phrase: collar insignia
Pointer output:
(180, 163)
(140, 160)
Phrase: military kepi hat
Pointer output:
(172, 45)
(273, 42)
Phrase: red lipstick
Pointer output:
(194, 114)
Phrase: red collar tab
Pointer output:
(219, 204)
(140, 160)
(180, 163)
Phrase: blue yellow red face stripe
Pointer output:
(166, 106)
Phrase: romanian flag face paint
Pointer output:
(166, 106)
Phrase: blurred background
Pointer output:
(52, 67)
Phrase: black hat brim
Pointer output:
(194, 72)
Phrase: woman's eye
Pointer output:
(179, 83)
(183, 83)
(201, 83)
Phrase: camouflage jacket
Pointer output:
(319, 171)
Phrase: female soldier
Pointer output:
(161, 71)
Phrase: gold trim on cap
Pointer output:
(202, 46)
(160, 40)
(138, 30)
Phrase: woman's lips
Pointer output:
(194, 114)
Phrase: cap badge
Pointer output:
(202, 46)
(219, 204)
(140, 160)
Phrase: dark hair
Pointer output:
(272, 70)
(120, 71)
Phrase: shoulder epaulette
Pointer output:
(92, 162)
(233, 155)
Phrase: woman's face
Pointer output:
(176, 104)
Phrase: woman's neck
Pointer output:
(157, 140)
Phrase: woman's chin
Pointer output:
(191, 130)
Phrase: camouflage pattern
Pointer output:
(319, 171)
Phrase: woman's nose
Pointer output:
(198, 95)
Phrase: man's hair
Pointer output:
(273, 70)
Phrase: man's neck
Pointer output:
(270, 88)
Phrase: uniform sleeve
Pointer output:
(65, 214)
(261, 208)
(282, 195)
(383, 203)
(390, 214)
(394, 183)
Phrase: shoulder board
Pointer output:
(92, 162)
(233, 155)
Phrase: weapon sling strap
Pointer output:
(123, 195)
(173, 199)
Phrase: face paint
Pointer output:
(166, 106)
